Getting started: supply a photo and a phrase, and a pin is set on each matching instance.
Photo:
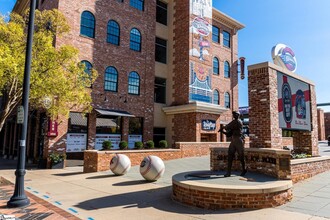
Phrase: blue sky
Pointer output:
(302, 25)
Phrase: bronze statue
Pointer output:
(234, 130)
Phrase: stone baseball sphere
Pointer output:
(152, 168)
(120, 164)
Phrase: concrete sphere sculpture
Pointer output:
(152, 168)
(120, 164)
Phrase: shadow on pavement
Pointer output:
(130, 183)
(101, 176)
(68, 174)
(155, 198)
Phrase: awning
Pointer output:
(114, 113)
(78, 119)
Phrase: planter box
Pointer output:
(59, 165)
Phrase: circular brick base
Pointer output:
(217, 196)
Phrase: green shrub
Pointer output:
(150, 144)
(106, 145)
(138, 145)
(123, 145)
(163, 144)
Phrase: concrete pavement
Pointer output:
(105, 196)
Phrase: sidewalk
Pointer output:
(105, 196)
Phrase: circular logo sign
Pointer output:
(284, 56)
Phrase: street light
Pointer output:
(19, 199)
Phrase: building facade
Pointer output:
(167, 71)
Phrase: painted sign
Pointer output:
(76, 142)
(293, 103)
(284, 56)
(208, 125)
(100, 138)
(132, 139)
(200, 47)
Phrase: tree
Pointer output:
(56, 74)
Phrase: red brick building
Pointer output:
(167, 71)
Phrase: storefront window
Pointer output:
(108, 125)
(135, 126)
(77, 123)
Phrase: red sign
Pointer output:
(52, 128)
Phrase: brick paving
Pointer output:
(38, 208)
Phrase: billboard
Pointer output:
(293, 103)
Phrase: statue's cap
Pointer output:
(236, 113)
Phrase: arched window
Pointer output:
(216, 99)
(88, 69)
(135, 40)
(227, 70)
(227, 100)
(134, 83)
(113, 33)
(88, 66)
(215, 66)
(138, 4)
(111, 79)
(87, 24)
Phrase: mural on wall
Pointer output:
(293, 103)
(201, 32)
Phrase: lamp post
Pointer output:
(19, 199)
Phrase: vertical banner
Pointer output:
(201, 59)
(293, 103)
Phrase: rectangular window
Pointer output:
(159, 135)
(135, 126)
(161, 12)
(160, 90)
(215, 34)
(138, 4)
(226, 39)
(108, 125)
(161, 50)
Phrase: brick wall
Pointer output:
(320, 124)
(263, 113)
(273, 162)
(302, 169)
(287, 141)
(219, 200)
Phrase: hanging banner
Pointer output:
(293, 103)
(76, 142)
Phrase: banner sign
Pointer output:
(100, 138)
(208, 125)
(52, 128)
(76, 142)
(293, 103)
(200, 51)
(132, 139)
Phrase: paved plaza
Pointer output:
(105, 196)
